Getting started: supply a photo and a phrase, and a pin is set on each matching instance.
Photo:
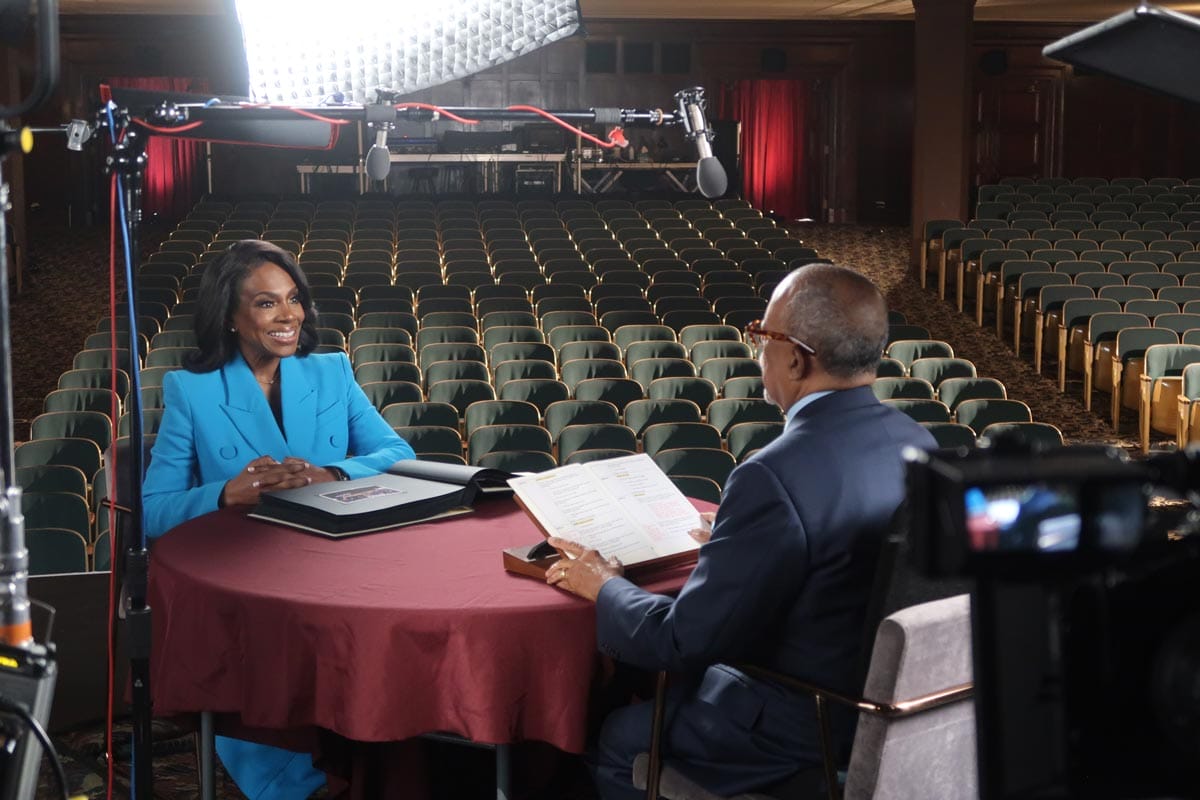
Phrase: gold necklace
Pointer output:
(266, 383)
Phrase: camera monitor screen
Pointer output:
(1052, 516)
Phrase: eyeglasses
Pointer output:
(759, 336)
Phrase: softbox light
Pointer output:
(307, 52)
(1148, 45)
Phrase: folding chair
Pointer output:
(539, 392)
(492, 438)
(1161, 388)
(668, 435)
(594, 436)
(427, 439)
(460, 393)
(951, 434)
(709, 463)
(81, 453)
(1037, 436)
(410, 414)
(921, 410)
(896, 388)
(747, 387)
(95, 426)
(979, 413)
(618, 391)
(563, 413)
(746, 437)
(500, 412)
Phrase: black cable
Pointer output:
(39, 732)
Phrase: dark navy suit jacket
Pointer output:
(214, 423)
(785, 580)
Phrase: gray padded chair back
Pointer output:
(918, 650)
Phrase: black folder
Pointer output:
(484, 480)
(364, 505)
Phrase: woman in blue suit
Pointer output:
(256, 411)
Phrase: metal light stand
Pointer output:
(7, 473)
(128, 163)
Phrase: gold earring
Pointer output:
(233, 330)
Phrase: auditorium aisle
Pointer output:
(883, 255)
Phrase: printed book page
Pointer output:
(663, 512)
(623, 507)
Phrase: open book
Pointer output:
(624, 507)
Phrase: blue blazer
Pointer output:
(785, 580)
(214, 423)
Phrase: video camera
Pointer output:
(1085, 618)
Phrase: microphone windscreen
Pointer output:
(711, 178)
(379, 163)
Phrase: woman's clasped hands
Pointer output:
(265, 474)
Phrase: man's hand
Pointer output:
(704, 532)
(583, 571)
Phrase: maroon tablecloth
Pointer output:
(379, 637)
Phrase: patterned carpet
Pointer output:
(66, 292)
(64, 296)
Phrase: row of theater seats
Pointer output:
(923, 378)
(1097, 316)
(1150, 224)
(479, 244)
(497, 373)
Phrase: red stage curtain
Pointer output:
(772, 113)
(172, 183)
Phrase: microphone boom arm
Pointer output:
(690, 113)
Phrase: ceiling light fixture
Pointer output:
(303, 52)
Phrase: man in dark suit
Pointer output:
(784, 580)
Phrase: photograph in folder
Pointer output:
(363, 505)
(625, 508)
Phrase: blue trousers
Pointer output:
(263, 772)
(729, 735)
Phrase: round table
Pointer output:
(377, 638)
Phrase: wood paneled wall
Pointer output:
(1083, 124)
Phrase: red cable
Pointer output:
(302, 112)
(564, 124)
(439, 110)
(193, 125)
(111, 478)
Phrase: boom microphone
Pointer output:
(710, 175)
(379, 160)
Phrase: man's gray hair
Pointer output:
(842, 315)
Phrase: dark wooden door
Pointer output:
(1016, 123)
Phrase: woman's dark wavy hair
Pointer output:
(220, 292)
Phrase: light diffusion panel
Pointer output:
(308, 52)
